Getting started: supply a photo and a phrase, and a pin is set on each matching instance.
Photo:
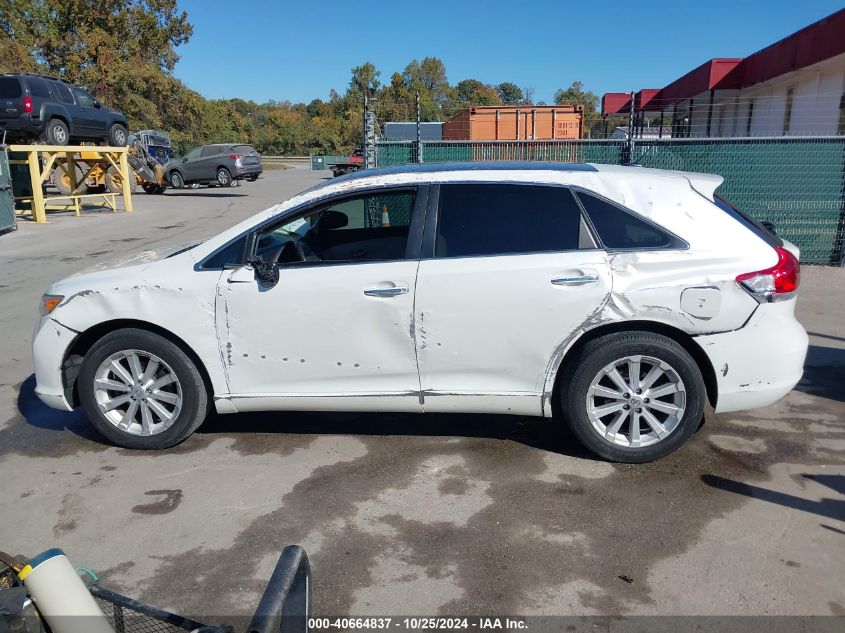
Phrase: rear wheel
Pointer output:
(61, 178)
(140, 390)
(252, 178)
(56, 132)
(632, 396)
(176, 180)
(224, 178)
(114, 181)
(118, 135)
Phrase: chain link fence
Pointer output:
(797, 183)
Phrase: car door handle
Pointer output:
(575, 280)
(386, 292)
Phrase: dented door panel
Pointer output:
(488, 326)
(323, 330)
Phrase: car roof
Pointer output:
(437, 168)
(40, 75)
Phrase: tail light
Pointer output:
(234, 156)
(778, 283)
(27, 104)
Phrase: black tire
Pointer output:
(114, 184)
(195, 402)
(252, 178)
(118, 135)
(56, 132)
(153, 190)
(581, 370)
(176, 180)
(224, 177)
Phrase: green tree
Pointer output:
(576, 95)
(509, 93)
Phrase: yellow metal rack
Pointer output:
(43, 158)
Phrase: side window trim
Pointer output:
(415, 228)
(676, 243)
(433, 215)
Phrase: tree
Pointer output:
(429, 79)
(365, 77)
(576, 94)
(509, 93)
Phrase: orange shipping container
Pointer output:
(510, 123)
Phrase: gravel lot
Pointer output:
(408, 514)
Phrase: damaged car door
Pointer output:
(509, 272)
(322, 318)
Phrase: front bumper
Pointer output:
(49, 346)
(759, 363)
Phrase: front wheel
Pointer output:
(140, 390)
(632, 396)
(176, 180)
(224, 178)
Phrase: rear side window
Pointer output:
(506, 219)
(10, 88)
(748, 222)
(211, 150)
(64, 92)
(39, 87)
(618, 228)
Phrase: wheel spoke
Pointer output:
(617, 379)
(129, 416)
(634, 431)
(146, 419)
(114, 403)
(663, 407)
(664, 390)
(653, 374)
(607, 409)
(111, 385)
(613, 428)
(654, 423)
(119, 371)
(604, 392)
(149, 372)
(161, 382)
(163, 414)
(164, 396)
(634, 372)
(135, 366)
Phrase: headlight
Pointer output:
(49, 303)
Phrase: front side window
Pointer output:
(83, 98)
(194, 153)
(492, 219)
(619, 228)
(368, 228)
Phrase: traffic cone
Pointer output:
(385, 217)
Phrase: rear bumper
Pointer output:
(244, 172)
(759, 363)
(21, 125)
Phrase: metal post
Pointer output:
(628, 151)
(533, 124)
(517, 124)
(710, 111)
(419, 135)
(660, 129)
(554, 124)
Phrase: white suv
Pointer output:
(618, 299)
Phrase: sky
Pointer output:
(299, 51)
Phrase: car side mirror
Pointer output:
(97, 104)
(266, 272)
(184, 159)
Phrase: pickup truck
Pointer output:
(354, 162)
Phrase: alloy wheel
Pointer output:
(636, 401)
(138, 392)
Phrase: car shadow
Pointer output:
(824, 373)
(539, 433)
(827, 507)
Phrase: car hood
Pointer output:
(142, 257)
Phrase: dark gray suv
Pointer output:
(54, 110)
(219, 164)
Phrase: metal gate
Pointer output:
(7, 199)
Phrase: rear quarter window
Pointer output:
(748, 222)
(620, 229)
(243, 149)
(10, 88)
(39, 87)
